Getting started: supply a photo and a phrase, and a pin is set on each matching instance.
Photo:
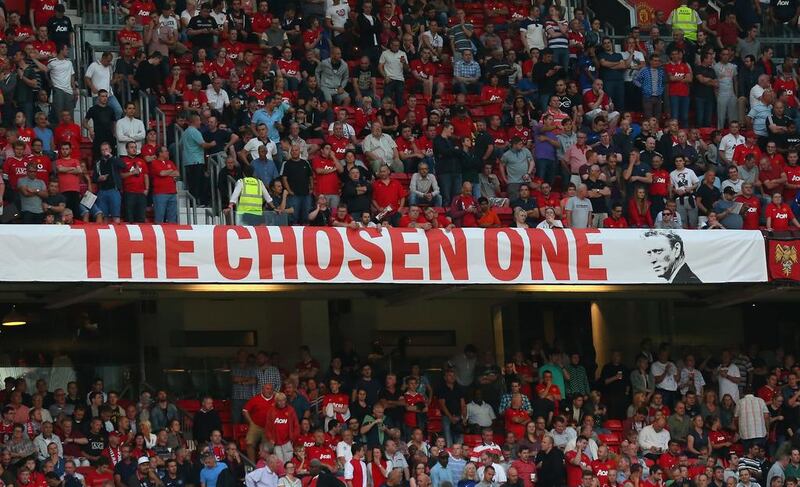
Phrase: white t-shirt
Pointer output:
(253, 144)
(636, 65)
(729, 143)
(755, 93)
(727, 386)
(668, 382)
(345, 450)
(100, 76)
(338, 14)
(392, 65)
(61, 71)
(685, 178)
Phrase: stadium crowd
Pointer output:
(546, 418)
(423, 114)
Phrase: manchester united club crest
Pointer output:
(786, 256)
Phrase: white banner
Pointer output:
(225, 254)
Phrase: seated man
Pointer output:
(424, 189)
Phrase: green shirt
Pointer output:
(679, 427)
(578, 382)
(558, 377)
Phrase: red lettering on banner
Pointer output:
(584, 250)
(267, 249)
(400, 250)
(515, 250)
(368, 249)
(311, 252)
(126, 247)
(92, 232)
(222, 257)
(174, 247)
(557, 254)
(455, 254)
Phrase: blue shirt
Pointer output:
(441, 474)
(759, 113)
(192, 145)
(271, 120)
(46, 136)
(265, 170)
(208, 476)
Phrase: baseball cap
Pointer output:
(143, 460)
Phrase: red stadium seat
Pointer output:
(609, 439)
(614, 425)
(472, 440)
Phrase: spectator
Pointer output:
(98, 78)
(392, 65)
(381, 150)
(424, 188)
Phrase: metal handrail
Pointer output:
(231, 184)
(161, 126)
(191, 205)
(215, 163)
(178, 156)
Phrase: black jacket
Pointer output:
(205, 422)
(448, 157)
(356, 203)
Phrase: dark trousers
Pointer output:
(394, 90)
(32, 218)
(703, 108)
(73, 202)
(197, 183)
(135, 205)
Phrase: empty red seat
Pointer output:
(609, 439)
(472, 440)
(614, 425)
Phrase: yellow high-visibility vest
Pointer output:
(684, 18)
(251, 200)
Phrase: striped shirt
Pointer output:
(556, 39)
(751, 411)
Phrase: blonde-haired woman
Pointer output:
(145, 428)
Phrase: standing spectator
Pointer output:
(102, 116)
(62, 78)
(136, 185)
(579, 209)
(453, 405)
(298, 179)
(448, 167)
(98, 78)
(679, 76)
(752, 417)
(705, 86)
(726, 72)
(549, 461)
(728, 375)
(516, 167)
(70, 174)
(193, 158)
(205, 420)
(163, 176)
(129, 129)
(392, 65)
(108, 177)
(612, 71)
(32, 191)
(244, 381)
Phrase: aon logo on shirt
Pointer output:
(281, 421)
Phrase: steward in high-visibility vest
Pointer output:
(686, 20)
(249, 196)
